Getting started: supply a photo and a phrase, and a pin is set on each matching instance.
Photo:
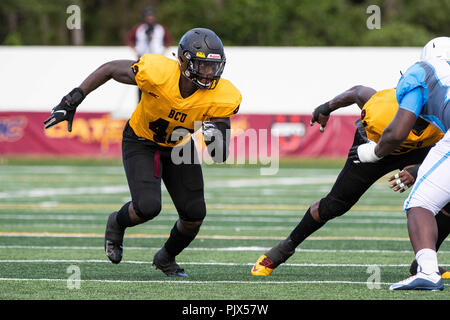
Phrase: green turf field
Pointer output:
(53, 215)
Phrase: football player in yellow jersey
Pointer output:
(377, 111)
(175, 96)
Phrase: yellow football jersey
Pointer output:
(380, 110)
(163, 115)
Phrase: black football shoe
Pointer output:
(166, 263)
(114, 239)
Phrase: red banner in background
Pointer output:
(97, 134)
(93, 134)
(298, 138)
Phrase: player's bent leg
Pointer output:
(117, 222)
(147, 208)
(184, 182)
(443, 224)
(181, 235)
(317, 215)
(114, 239)
(267, 262)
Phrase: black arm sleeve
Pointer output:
(219, 149)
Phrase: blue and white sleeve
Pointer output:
(412, 90)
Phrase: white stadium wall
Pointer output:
(286, 80)
(280, 89)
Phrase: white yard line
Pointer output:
(203, 282)
(221, 237)
(339, 265)
(115, 189)
(241, 248)
(210, 218)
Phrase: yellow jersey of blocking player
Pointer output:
(162, 110)
(379, 111)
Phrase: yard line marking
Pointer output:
(250, 219)
(199, 282)
(109, 206)
(39, 214)
(222, 237)
(208, 263)
(207, 282)
(251, 248)
(115, 189)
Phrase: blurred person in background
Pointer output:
(149, 36)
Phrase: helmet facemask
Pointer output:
(201, 57)
(205, 73)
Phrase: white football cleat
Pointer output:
(420, 281)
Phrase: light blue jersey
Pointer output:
(424, 90)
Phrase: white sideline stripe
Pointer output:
(205, 263)
(235, 183)
(210, 219)
(153, 227)
(251, 248)
(221, 237)
(205, 282)
(172, 212)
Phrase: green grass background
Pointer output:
(53, 214)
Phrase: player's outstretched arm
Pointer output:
(119, 70)
(356, 94)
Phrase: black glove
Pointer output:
(322, 109)
(66, 109)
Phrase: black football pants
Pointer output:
(354, 179)
(146, 164)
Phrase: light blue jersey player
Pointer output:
(423, 91)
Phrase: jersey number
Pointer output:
(159, 128)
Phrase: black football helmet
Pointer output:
(201, 57)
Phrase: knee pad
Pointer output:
(195, 210)
(330, 208)
(147, 209)
(190, 228)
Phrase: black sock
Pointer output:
(123, 217)
(286, 248)
(305, 228)
(177, 241)
(443, 223)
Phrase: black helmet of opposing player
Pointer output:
(201, 57)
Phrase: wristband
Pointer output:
(74, 98)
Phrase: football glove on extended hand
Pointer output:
(323, 109)
(364, 153)
(66, 109)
